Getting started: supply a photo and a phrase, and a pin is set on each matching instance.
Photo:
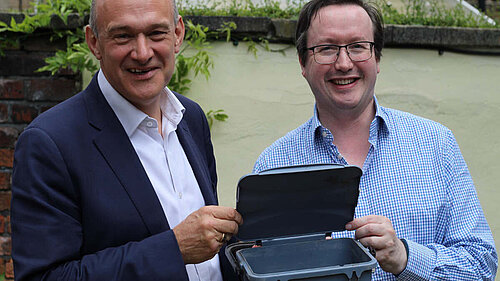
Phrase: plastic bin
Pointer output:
(289, 215)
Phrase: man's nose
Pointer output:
(344, 62)
(142, 50)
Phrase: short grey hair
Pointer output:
(93, 15)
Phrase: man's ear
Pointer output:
(179, 34)
(92, 42)
(302, 67)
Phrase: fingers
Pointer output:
(373, 231)
(201, 235)
(359, 222)
(378, 233)
(224, 213)
(225, 237)
(221, 219)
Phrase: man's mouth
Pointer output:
(140, 71)
(344, 81)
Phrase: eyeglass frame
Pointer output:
(340, 48)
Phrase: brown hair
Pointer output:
(310, 10)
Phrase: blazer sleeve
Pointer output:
(47, 227)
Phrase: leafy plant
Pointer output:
(218, 115)
(78, 57)
(431, 13)
(420, 12)
(252, 45)
(200, 62)
(243, 8)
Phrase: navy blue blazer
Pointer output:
(83, 207)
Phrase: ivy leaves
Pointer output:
(193, 59)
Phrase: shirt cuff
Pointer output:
(420, 262)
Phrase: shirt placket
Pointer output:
(334, 152)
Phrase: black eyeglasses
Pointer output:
(329, 53)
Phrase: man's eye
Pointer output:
(122, 37)
(358, 46)
(157, 35)
(327, 49)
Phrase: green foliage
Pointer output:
(218, 115)
(416, 12)
(252, 45)
(227, 27)
(431, 13)
(200, 61)
(242, 8)
(77, 56)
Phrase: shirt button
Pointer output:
(324, 134)
(180, 195)
(149, 124)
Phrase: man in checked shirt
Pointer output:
(418, 206)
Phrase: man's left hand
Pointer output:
(377, 232)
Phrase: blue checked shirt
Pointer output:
(415, 175)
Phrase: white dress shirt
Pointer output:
(165, 163)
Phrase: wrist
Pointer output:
(405, 258)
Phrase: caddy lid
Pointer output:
(297, 200)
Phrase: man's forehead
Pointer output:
(356, 11)
(134, 12)
(135, 4)
(350, 14)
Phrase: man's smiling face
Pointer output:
(345, 85)
(136, 45)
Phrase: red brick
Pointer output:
(23, 113)
(4, 112)
(54, 89)
(20, 63)
(5, 245)
(11, 89)
(3, 224)
(8, 137)
(5, 180)
(9, 269)
(5, 200)
(6, 157)
(2, 267)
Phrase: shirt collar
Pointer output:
(130, 117)
(381, 119)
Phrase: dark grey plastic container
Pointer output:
(289, 215)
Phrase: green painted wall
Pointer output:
(265, 97)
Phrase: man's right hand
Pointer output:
(200, 235)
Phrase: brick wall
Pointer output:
(24, 94)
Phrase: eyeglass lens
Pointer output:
(358, 51)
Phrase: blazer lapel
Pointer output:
(196, 161)
(115, 146)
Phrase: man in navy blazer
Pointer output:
(84, 206)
